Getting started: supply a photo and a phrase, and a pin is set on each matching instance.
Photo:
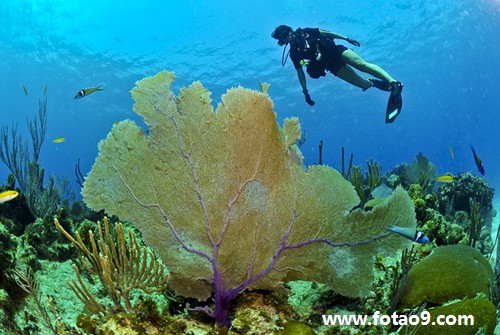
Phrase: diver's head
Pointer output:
(283, 34)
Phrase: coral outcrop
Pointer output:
(460, 315)
(448, 273)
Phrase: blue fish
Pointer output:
(410, 233)
(479, 164)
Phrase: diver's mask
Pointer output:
(283, 33)
(286, 40)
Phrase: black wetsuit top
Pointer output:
(321, 52)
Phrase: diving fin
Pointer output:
(395, 102)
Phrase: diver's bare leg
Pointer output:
(348, 74)
(353, 59)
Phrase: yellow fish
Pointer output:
(451, 152)
(87, 91)
(446, 178)
(59, 140)
(7, 196)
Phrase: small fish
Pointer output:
(59, 140)
(45, 90)
(410, 233)
(479, 164)
(25, 90)
(7, 196)
(452, 154)
(87, 91)
(446, 178)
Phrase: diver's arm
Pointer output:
(330, 35)
(302, 80)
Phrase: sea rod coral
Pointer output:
(226, 202)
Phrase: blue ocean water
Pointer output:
(445, 52)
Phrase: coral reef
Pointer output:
(365, 186)
(482, 310)
(9, 297)
(297, 328)
(470, 196)
(145, 319)
(14, 214)
(456, 196)
(45, 242)
(121, 267)
(420, 171)
(441, 231)
(258, 314)
(225, 202)
(307, 299)
(445, 225)
(41, 197)
(448, 273)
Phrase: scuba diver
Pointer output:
(315, 48)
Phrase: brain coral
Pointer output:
(448, 273)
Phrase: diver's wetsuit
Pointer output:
(322, 53)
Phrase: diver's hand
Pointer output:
(308, 98)
(353, 42)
